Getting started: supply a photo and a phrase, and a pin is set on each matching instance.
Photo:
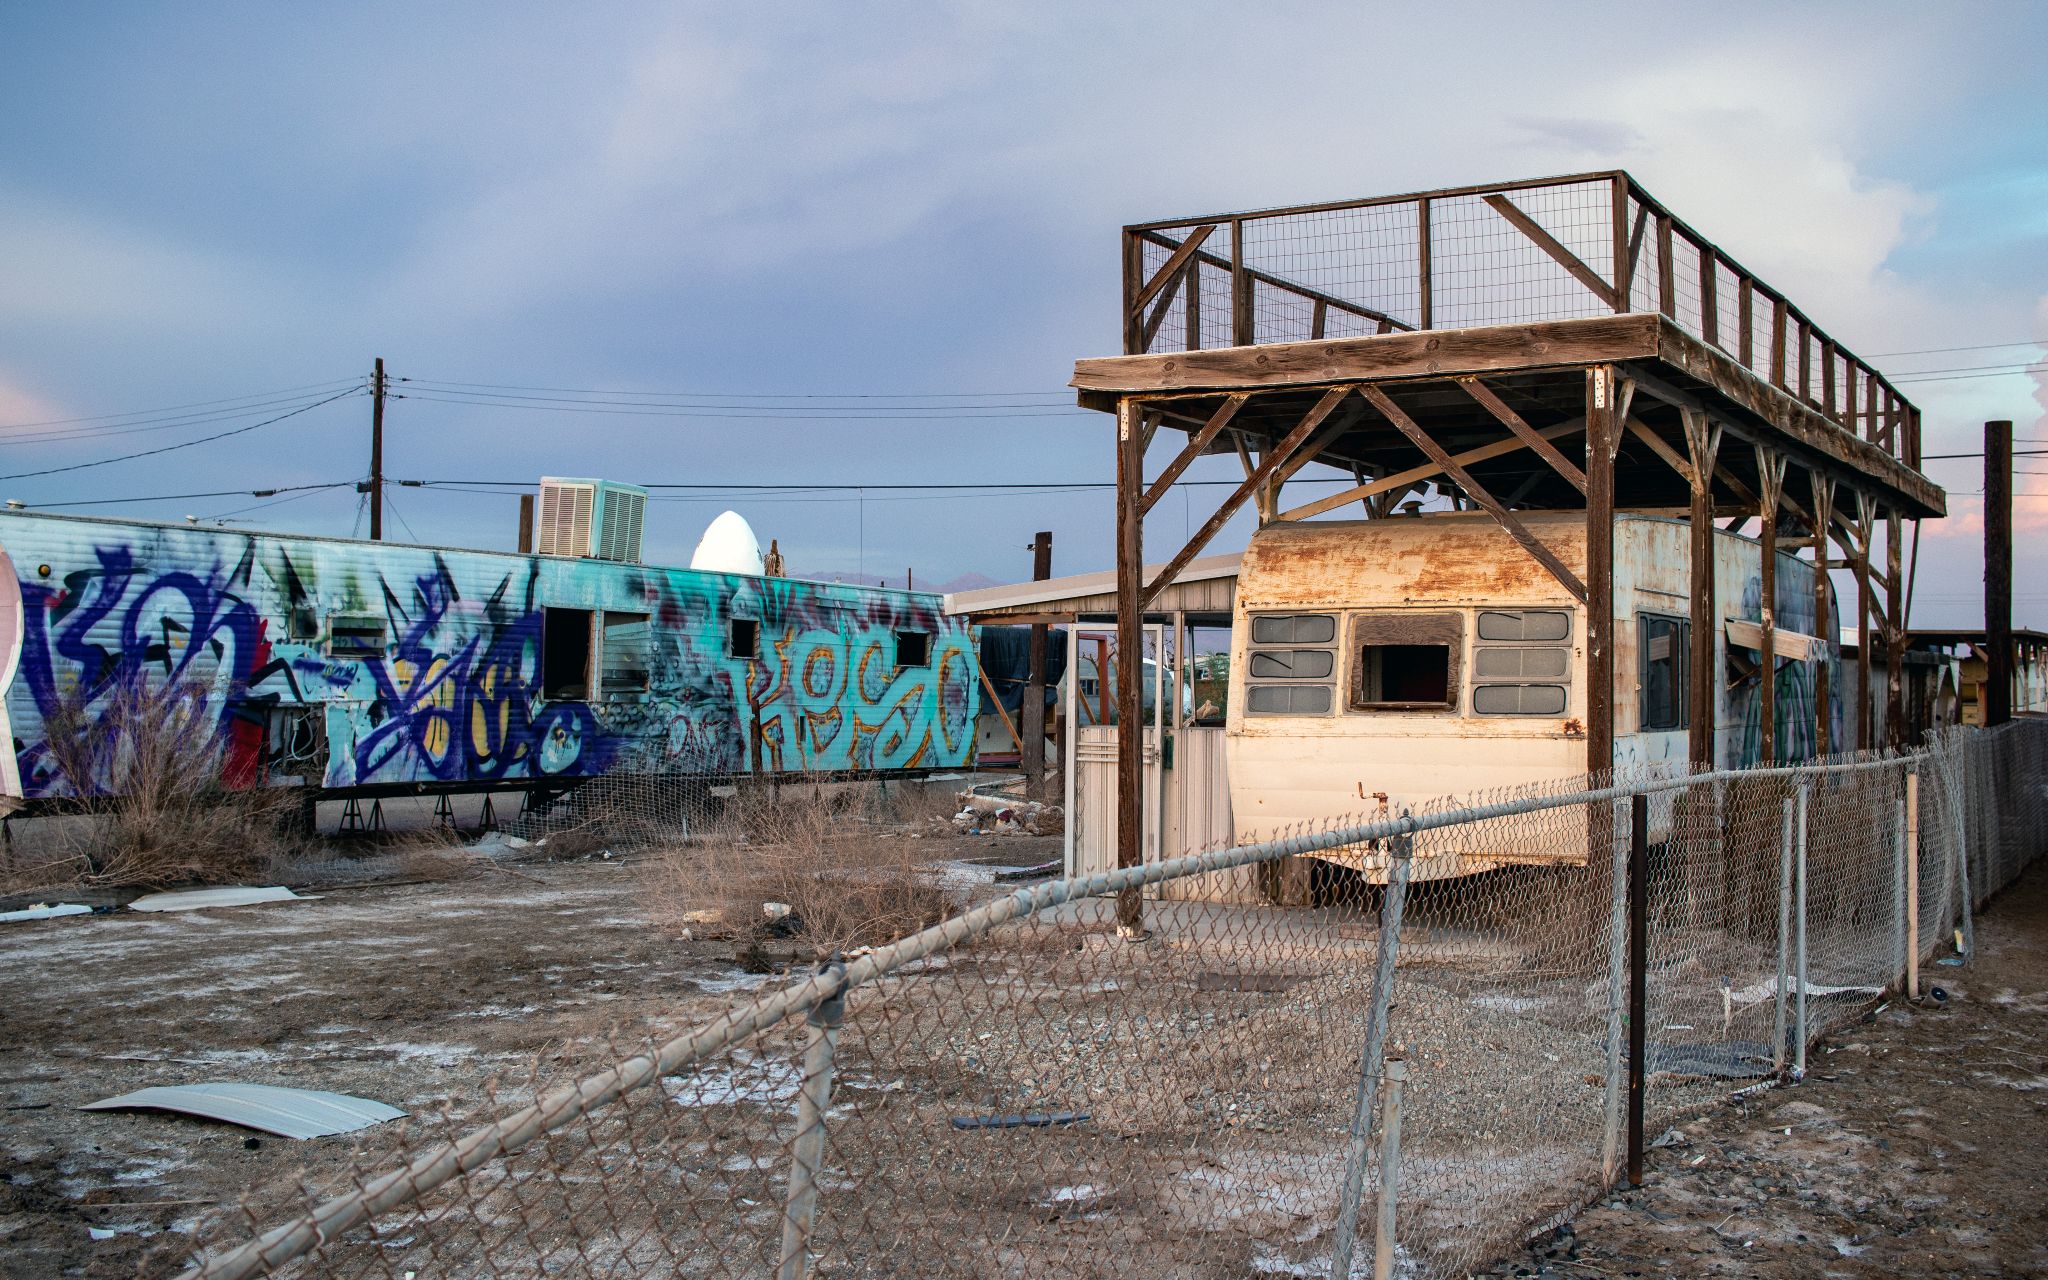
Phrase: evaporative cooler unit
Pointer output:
(593, 518)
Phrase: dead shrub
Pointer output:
(147, 761)
(815, 852)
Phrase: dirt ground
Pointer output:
(1917, 1146)
(1913, 1148)
(411, 994)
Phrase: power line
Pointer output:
(311, 388)
(176, 497)
(1969, 377)
(147, 424)
(170, 448)
(1942, 351)
(745, 395)
(738, 412)
(686, 402)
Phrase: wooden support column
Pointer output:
(1894, 635)
(1866, 606)
(1770, 470)
(1130, 647)
(1032, 751)
(1998, 667)
(1823, 614)
(1703, 443)
(1603, 437)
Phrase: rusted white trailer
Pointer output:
(1379, 664)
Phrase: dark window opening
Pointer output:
(913, 648)
(356, 637)
(743, 638)
(1664, 642)
(1404, 676)
(565, 654)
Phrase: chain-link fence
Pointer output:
(1017, 1092)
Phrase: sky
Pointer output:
(865, 244)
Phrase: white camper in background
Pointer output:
(1377, 665)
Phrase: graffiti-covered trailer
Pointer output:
(1377, 665)
(366, 668)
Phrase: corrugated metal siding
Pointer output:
(452, 691)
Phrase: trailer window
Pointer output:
(565, 654)
(1519, 668)
(355, 636)
(1664, 643)
(1406, 661)
(1291, 667)
(913, 648)
(623, 660)
(743, 638)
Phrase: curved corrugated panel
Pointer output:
(288, 1113)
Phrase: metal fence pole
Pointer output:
(1399, 862)
(1911, 838)
(1390, 1172)
(1638, 977)
(1784, 939)
(1799, 934)
(807, 1149)
(1617, 987)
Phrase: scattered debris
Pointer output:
(288, 1113)
(1757, 992)
(1030, 1120)
(47, 910)
(1039, 871)
(199, 899)
(1002, 815)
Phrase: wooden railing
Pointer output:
(1553, 248)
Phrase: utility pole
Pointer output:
(1033, 719)
(377, 454)
(1997, 692)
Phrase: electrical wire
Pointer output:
(176, 497)
(743, 395)
(739, 412)
(171, 448)
(1942, 351)
(311, 388)
(147, 425)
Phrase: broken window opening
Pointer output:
(565, 654)
(355, 636)
(913, 648)
(743, 638)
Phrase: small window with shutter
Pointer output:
(1291, 665)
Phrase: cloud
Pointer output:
(20, 407)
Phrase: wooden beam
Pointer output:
(1150, 330)
(1703, 444)
(1770, 470)
(1426, 273)
(1635, 252)
(1603, 434)
(1130, 647)
(1406, 479)
(1641, 430)
(1895, 636)
(1178, 259)
(1197, 443)
(1483, 350)
(1529, 435)
(1252, 483)
(1016, 739)
(1474, 490)
(1340, 423)
(1326, 300)
(1823, 490)
(1667, 281)
(1543, 240)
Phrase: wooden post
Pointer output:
(1823, 613)
(1033, 749)
(1997, 573)
(1667, 276)
(525, 523)
(1426, 300)
(1130, 662)
(1894, 634)
(1618, 229)
(1240, 289)
(1770, 473)
(377, 454)
(1866, 605)
(1703, 442)
(1603, 430)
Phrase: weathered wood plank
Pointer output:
(1529, 435)
(1550, 244)
(1197, 444)
(1187, 249)
(1542, 554)
(1488, 349)
(1428, 470)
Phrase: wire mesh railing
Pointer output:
(1563, 248)
(1017, 1092)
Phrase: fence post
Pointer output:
(807, 1149)
(1390, 1172)
(1638, 977)
(1784, 938)
(1398, 863)
(1799, 934)
(1912, 839)
(1617, 985)
(1901, 946)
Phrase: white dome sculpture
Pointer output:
(728, 546)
